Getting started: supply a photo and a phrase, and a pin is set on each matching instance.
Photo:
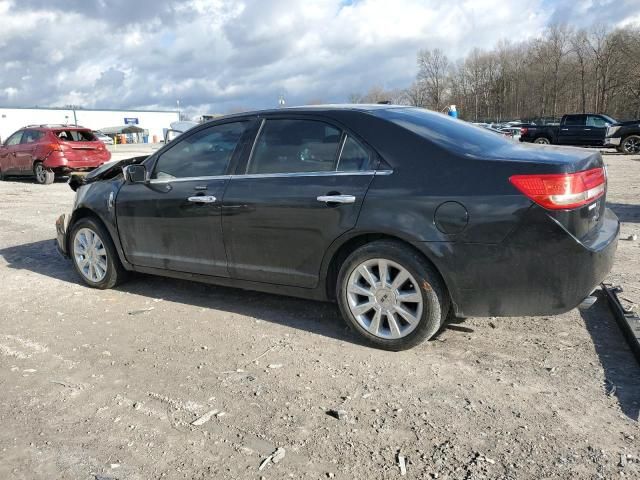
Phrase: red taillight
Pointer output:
(562, 191)
(58, 147)
(524, 130)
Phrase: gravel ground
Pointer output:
(107, 384)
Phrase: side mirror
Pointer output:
(135, 173)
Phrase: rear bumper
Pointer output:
(59, 162)
(533, 272)
(61, 235)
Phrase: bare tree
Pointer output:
(433, 72)
(562, 71)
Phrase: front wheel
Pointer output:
(94, 255)
(391, 295)
(631, 145)
(44, 176)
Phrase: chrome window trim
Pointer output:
(331, 173)
(345, 136)
(272, 175)
(253, 147)
(188, 179)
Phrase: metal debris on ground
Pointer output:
(204, 418)
(339, 414)
(140, 312)
(278, 455)
(402, 464)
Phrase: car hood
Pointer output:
(627, 124)
(105, 171)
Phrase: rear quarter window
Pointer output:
(444, 131)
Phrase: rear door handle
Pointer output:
(202, 199)
(337, 198)
(565, 129)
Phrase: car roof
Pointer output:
(48, 127)
(311, 109)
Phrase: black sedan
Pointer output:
(401, 215)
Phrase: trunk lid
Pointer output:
(78, 145)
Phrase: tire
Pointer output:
(103, 269)
(630, 145)
(44, 176)
(542, 141)
(427, 302)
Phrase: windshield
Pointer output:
(445, 131)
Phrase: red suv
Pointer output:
(49, 150)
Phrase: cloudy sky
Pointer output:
(221, 55)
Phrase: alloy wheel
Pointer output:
(384, 298)
(90, 255)
(632, 145)
(41, 174)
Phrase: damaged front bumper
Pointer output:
(62, 224)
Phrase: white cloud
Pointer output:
(213, 55)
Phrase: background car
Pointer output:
(399, 214)
(106, 139)
(45, 151)
(576, 129)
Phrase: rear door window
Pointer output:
(206, 153)
(574, 120)
(295, 146)
(31, 136)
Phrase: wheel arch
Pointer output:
(86, 212)
(341, 251)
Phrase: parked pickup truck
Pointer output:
(576, 129)
(625, 136)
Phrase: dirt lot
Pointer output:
(105, 384)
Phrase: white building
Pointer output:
(12, 119)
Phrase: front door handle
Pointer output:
(202, 199)
(337, 198)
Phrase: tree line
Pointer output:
(565, 70)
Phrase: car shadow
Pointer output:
(31, 180)
(621, 370)
(320, 318)
(626, 212)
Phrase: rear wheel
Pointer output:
(631, 145)
(44, 176)
(391, 295)
(94, 255)
(542, 141)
